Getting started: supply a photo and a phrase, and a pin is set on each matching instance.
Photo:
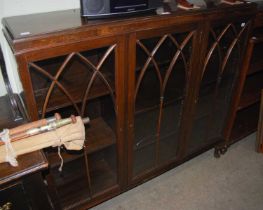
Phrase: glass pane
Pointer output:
(66, 80)
(161, 77)
(81, 84)
(146, 122)
(71, 183)
(256, 61)
(103, 168)
(219, 74)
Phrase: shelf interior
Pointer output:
(155, 147)
(98, 136)
(256, 63)
(252, 90)
(72, 184)
(75, 79)
(59, 100)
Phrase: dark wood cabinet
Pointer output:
(178, 106)
(246, 115)
(158, 90)
(22, 187)
(85, 80)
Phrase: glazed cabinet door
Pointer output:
(219, 73)
(158, 82)
(84, 79)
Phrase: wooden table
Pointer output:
(22, 187)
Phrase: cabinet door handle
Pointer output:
(7, 206)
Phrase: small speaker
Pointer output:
(95, 7)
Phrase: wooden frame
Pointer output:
(245, 113)
(259, 144)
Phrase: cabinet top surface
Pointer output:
(38, 31)
(21, 27)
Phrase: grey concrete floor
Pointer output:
(233, 182)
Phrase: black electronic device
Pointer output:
(107, 8)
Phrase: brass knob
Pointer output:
(7, 206)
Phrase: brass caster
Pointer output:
(220, 150)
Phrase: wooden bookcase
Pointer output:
(157, 88)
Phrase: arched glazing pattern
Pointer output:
(220, 70)
(162, 72)
(81, 83)
(58, 83)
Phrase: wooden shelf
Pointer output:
(162, 65)
(59, 100)
(256, 61)
(162, 59)
(54, 160)
(145, 146)
(205, 99)
(147, 105)
(72, 183)
(145, 157)
(148, 96)
(98, 136)
(103, 176)
(251, 91)
(245, 123)
(255, 67)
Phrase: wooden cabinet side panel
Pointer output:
(27, 87)
(244, 65)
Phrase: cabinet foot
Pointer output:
(220, 150)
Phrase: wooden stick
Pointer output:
(39, 123)
(45, 126)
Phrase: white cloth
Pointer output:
(72, 136)
(10, 154)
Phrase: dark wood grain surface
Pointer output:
(28, 164)
(38, 24)
(52, 27)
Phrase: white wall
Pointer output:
(2, 86)
(22, 7)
